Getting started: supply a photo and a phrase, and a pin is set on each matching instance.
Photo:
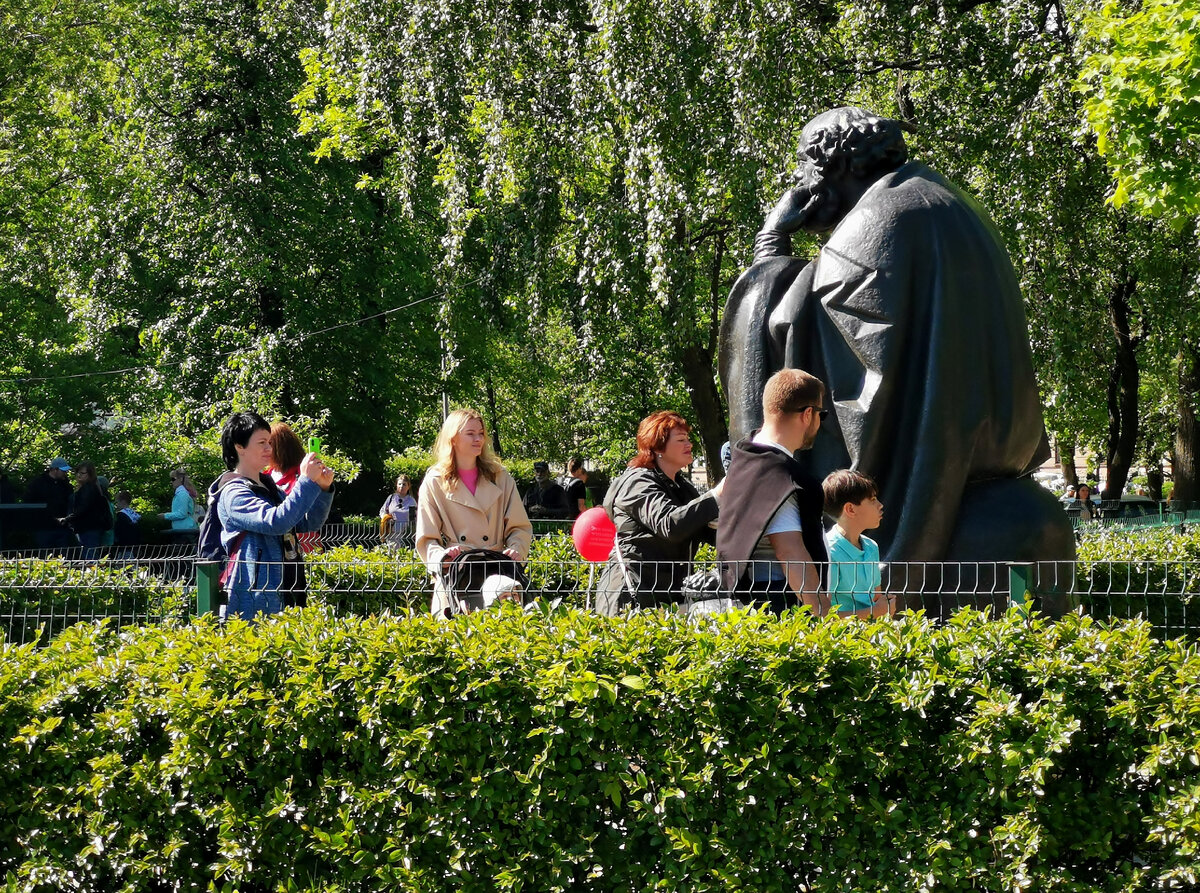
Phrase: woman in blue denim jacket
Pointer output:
(253, 525)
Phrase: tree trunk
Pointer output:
(1122, 388)
(1183, 456)
(494, 419)
(706, 405)
(1066, 461)
(696, 352)
(1154, 482)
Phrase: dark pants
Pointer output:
(90, 541)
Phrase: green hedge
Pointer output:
(414, 462)
(1148, 573)
(558, 750)
(40, 597)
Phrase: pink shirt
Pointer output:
(470, 477)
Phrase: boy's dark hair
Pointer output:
(574, 464)
(238, 431)
(846, 486)
(125, 497)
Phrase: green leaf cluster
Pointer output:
(1153, 573)
(555, 750)
(1142, 89)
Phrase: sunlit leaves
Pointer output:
(1142, 89)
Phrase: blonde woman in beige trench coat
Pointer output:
(467, 501)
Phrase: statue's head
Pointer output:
(842, 152)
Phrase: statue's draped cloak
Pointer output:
(912, 316)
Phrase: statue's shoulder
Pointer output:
(917, 188)
(771, 274)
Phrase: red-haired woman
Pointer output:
(660, 517)
(287, 452)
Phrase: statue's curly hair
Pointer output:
(852, 141)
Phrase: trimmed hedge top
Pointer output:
(550, 750)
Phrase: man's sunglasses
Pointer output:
(823, 413)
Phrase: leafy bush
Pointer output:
(414, 462)
(547, 750)
(1149, 573)
(368, 581)
(41, 597)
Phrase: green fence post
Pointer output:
(1020, 579)
(208, 580)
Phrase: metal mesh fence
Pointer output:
(41, 595)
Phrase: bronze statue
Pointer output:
(912, 316)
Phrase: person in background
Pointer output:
(52, 488)
(91, 514)
(577, 489)
(661, 519)
(397, 514)
(546, 498)
(107, 538)
(126, 533)
(8, 493)
(855, 581)
(286, 455)
(1083, 501)
(257, 521)
(182, 515)
(771, 542)
(468, 501)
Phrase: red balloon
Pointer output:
(594, 534)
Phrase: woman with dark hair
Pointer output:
(577, 490)
(1088, 511)
(258, 521)
(287, 452)
(660, 517)
(90, 515)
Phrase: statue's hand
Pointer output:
(796, 208)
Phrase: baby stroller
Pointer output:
(476, 578)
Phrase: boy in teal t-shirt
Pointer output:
(855, 584)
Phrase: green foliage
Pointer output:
(523, 213)
(413, 462)
(368, 581)
(52, 594)
(1142, 88)
(557, 750)
(1149, 573)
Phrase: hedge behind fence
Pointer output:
(510, 751)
